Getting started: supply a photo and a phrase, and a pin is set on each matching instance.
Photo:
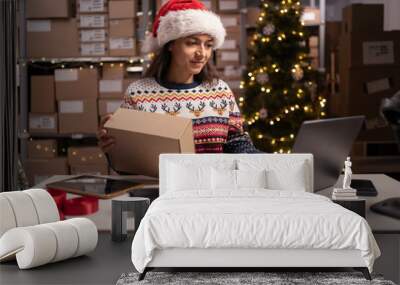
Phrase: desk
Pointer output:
(102, 218)
(385, 229)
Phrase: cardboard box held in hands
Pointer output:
(142, 136)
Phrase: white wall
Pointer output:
(391, 17)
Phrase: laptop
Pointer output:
(330, 141)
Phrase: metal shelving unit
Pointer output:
(148, 8)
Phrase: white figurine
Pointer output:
(347, 174)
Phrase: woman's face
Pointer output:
(192, 53)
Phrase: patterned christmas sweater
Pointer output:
(216, 119)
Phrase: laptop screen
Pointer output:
(330, 142)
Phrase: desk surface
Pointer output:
(149, 182)
(387, 187)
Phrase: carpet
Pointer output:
(243, 278)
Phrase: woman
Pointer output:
(182, 82)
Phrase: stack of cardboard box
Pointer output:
(112, 87)
(93, 27)
(229, 53)
(51, 29)
(228, 56)
(74, 28)
(76, 94)
(122, 14)
(369, 65)
(88, 160)
(43, 115)
(43, 162)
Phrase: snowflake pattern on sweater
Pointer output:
(212, 107)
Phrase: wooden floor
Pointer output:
(102, 266)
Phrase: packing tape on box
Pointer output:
(38, 26)
(112, 106)
(23, 207)
(7, 215)
(228, 5)
(66, 75)
(106, 86)
(46, 208)
(91, 6)
(71, 107)
(80, 206)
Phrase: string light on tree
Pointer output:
(278, 95)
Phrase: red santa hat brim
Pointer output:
(183, 23)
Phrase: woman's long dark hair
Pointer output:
(159, 67)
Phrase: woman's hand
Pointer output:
(106, 142)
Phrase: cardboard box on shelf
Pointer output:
(52, 38)
(332, 36)
(252, 15)
(314, 52)
(377, 134)
(233, 83)
(83, 155)
(362, 89)
(113, 71)
(109, 106)
(122, 47)
(232, 40)
(42, 148)
(38, 170)
(91, 6)
(92, 21)
(210, 5)
(94, 49)
(225, 6)
(226, 58)
(78, 116)
(313, 42)
(362, 17)
(76, 83)
(42, 123)
(128, 81)
(43, 99)
(370, 48)
(122, 28)
(90, 169)
(231, 22)
(142, 136)
(47, 9)
(311, 16)
(93, 35)
(123, 9)
(230, 72)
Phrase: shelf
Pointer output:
(376, 164)
(67, 136)
(133, 59)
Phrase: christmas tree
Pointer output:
(280, 84)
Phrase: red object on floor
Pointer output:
(62, 216)
(59, 197)
(81, 206)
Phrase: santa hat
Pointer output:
(182, 18)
